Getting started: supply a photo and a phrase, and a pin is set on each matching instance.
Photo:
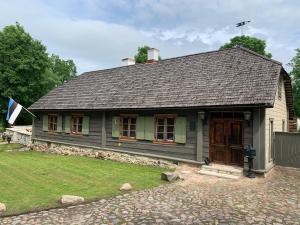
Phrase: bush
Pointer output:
(2, 127)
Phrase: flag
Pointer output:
(13, 111)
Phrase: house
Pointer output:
(186, 109)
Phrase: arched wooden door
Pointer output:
(226, 143)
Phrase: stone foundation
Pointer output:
(64, 149)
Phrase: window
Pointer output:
(271, 130)
(52, 123)
(76, 124)
(283, 125)
(128, 127)
(164, 128)
(280, 89)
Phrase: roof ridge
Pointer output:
(167, 59)
(257, 54)
(189, 55)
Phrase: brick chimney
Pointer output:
(153, 55)
(128, 61)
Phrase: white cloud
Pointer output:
(92, 44)
(210, 37)
(175, 27)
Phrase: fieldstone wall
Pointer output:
(55, 148)
(20, 134)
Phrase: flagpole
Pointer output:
(29, 112)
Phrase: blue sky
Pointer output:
(98, 34)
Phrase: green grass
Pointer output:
(32, 180)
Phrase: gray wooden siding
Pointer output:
(248, 133)
(286, 149)
(184, 151)
(93, 139)
(206, 138)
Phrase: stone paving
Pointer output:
(197, 200)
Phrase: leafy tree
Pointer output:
(295, 74)
(252, 43)
(23, 62)
(64, 69)
(26, 70)
(141, 56)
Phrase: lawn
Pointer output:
(32, 180)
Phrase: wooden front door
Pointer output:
(226, 142)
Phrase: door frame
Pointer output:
(228, 148)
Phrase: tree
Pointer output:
(141, 56)
(26, 70)
(23, 62)
(65, 70)
(252, 43)
(295, 74)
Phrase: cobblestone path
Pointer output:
(200, 200)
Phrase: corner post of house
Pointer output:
(33, 127)
(103, 131)
(200, 118)
(259, 138)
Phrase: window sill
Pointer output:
(53, 132)
(76, 134)
(127, 140)
(164, 143)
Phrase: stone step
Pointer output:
(216, 174)
(217, 169)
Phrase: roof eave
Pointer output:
(264, 105)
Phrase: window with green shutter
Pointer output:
(164, 128)
(128, 126)
(170, 129)
(76, 124)
(52, 123)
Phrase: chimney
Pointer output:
(128, 61)
(153, 55)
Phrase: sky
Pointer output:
(97, 34)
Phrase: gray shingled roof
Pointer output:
(220, 78)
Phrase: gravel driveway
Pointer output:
(197, 200)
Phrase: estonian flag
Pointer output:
(13, 111)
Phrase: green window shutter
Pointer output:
(140, 128)
(45, 122)
(67, 124)
(149, 128)
(59, 123)
(115, 129)
(86, 125)
(180, 130)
